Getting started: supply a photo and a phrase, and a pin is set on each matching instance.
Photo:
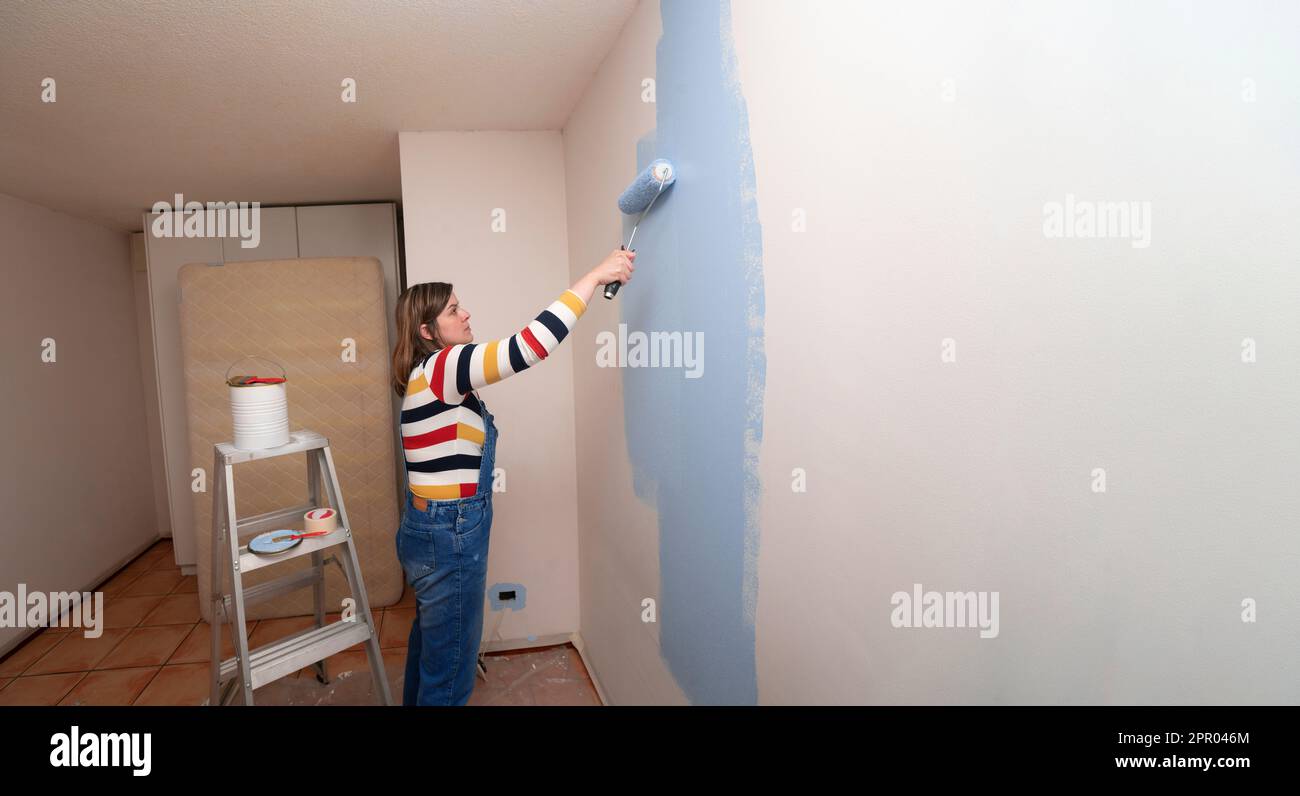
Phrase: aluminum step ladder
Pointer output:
(234, 679)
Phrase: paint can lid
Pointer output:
(263, 545)
(251, 380)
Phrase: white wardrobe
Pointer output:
(285, 232)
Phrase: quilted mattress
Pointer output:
(314, 317)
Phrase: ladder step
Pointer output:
(288, 655)
(276, 586)
(248, 562)
(273, 520)
(299, 441)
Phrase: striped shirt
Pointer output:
(442, 419)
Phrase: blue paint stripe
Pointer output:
(701, 252)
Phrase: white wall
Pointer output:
(924, 204)
(452, 182)
(76, 484)
(925, 221)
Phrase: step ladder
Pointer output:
(234, 679)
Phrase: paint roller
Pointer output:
(639, 197)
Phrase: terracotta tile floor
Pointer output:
(154, 651)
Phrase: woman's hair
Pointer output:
(421, 303)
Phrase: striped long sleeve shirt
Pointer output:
(442, 420)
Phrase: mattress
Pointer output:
(324, 321)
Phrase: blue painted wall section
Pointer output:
(694, 443)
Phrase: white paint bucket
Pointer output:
(260, 412)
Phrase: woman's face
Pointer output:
(453, 325)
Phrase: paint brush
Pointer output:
(289, 537)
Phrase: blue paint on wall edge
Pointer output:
(693, 443)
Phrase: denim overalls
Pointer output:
(444, 555)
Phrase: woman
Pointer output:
(449, 446)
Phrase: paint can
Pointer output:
(259, 406)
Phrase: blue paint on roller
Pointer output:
(502, 601)
(646, 186)
(693, 443)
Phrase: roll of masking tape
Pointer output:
(320, 520)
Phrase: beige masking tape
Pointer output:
(320, 520)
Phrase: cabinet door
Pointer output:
(368, 230)
(354, 231)
(276, 236)
(164, 257)
(149, 381)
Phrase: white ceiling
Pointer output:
(241, 101)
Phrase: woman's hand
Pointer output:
(617, 267)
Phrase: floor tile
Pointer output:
(270, 630)
(111, 687)
(154, 582)
(197, 646)
(76, 653)
(118, 583)
(46, 689)
(344, 662)
(396, 629)
(140, 565)
(174, 609)
(146, 646)
(31, 651)
(122, 611)
(158, 557)
(185, 684)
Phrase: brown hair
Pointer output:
(420, 303)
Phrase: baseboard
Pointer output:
(581, 646)
(510, 645)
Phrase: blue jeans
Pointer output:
(444, 555)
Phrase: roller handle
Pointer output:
(611, 289)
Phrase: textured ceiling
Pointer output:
(241, 101)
